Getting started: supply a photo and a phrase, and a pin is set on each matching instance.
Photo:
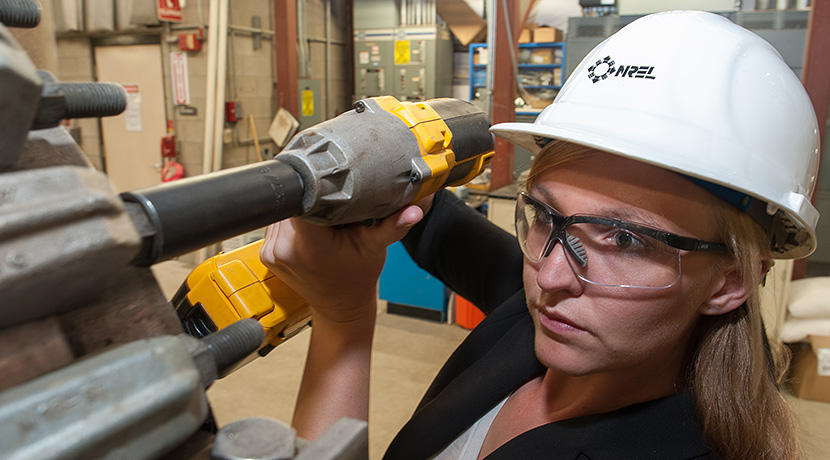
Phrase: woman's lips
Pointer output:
(558, 324)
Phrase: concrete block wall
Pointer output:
(341, 97)
(821, 199)
(250, 79)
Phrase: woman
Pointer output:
(625, 323)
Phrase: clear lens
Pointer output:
(604, 253)
(620, 257)
(533, 227)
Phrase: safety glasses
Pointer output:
(602, 250)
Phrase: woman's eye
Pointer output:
(541, 215)
(624, 239)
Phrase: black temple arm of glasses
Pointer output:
(676, 241)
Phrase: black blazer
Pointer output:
(484, 264)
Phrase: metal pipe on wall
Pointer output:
(210, 94)
(169, 107)
(232, 47)
(201, 15)
(302, 37)
(328, 60)
(491, 53)
(221, 79)
(266, 34)
(232, 55)
(431, 11)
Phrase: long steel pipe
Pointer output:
(221, 80)
(210, 92)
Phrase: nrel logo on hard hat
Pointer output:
(606, 67)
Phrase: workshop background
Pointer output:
(217, 84)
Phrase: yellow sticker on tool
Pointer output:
(402, 52)
(308, 103)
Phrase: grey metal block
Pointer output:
(62, 230)
(21, 91)
(133, 402)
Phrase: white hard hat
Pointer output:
(694, 93)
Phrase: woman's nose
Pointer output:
(554, 272)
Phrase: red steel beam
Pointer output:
(504, 91)
(816, 72)
(348, 18)
(815, 76)
(285, 50)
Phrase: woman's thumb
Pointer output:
(397, 225)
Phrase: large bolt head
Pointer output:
(19, 97)
(255, 438)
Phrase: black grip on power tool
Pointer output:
(469, 126)
(185, 215)
(470, 134)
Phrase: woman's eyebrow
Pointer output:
(631, 215)
(634, 216)
(544, 195)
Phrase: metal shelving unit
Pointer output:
(540, 72)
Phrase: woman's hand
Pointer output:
(334, 269)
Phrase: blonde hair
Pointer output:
(731, 368)
(734, 373)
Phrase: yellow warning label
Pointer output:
(402, 52)
(308, 103)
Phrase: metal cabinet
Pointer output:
(412, 63)
(410, 290)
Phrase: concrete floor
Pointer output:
(407, 354)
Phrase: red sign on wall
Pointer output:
(169, 10)
(178, 73)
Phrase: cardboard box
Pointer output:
(539, 103)
(542, 56)
(480, 57)
(547, 35)
(525, 36)
(467, 26)
(810, 370)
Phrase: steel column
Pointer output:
(504, 90)
(285, 49)
(816, 78)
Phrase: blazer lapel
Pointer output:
(663, 429)
(495, 359)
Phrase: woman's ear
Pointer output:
(766, 266)
(729, 294)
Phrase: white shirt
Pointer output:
(468, 445)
